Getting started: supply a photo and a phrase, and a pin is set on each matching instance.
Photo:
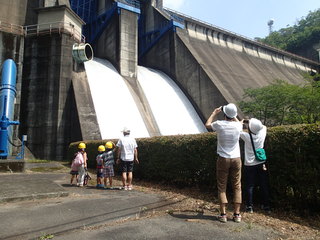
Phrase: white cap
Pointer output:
(230, 110)
(126, 130)
(255, 125)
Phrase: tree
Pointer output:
(283, 103)
(303, 35)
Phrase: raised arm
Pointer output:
(213, 117)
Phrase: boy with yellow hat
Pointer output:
(108, 163)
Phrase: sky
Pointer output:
(246, 17)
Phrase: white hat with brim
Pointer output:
(230, 110)
(255, 125)
(126, 130)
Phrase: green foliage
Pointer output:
(294, 166)
(190, 160)
(183, 160)
(304, 34)
(282, 103)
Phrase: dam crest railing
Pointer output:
(239, 36)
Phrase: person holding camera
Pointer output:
(255, 170)
(229, 160)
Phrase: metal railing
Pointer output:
(53, 27)
(42, 29)
(252, 41)
(11, 28)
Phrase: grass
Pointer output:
(46, 237)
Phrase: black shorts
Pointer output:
(126, 166)
(100, 172)
(74, 172)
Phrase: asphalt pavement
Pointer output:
(46, 206)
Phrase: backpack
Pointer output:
(78, 160)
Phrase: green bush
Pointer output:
(293, 153)
(189, 160)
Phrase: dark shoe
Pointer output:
(249, 209)
(267, 209)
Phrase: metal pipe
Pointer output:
(8, 88)
(82, 52)
(7, 97)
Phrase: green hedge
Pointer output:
(189, 160)
(294, 154)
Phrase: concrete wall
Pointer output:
(59, 16)
(13, 11)
(31, 17)
(173, 58)
(214, 67)
(154, 18)
(48, 106)
(85, 113)
(107, 46)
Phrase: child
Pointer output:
(99, 159)
(108, 163)
(74, 172)
(80, 160)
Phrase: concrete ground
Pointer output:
(45, 206)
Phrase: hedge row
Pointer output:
(189, 160)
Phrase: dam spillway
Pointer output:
(115, 106)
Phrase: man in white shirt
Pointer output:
(127, 154)
(229, 161)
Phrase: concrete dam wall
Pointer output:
(214, 67)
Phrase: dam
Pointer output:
(115, 106)
(152, 69)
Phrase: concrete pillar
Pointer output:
(128, 30)
(157, 3)
(101, 6)
(47, 102)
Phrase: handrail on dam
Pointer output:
(53, 27)
(42, 29)
(11, 28)
(244, 37)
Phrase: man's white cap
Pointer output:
(255, 125)
(230, 110)
(126, 130)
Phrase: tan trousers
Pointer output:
(226, 167)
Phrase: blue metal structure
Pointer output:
(96, 22)
(7, 96)
(149, 39)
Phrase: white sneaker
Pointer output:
(222, 218)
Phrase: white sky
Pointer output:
(246, 17)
